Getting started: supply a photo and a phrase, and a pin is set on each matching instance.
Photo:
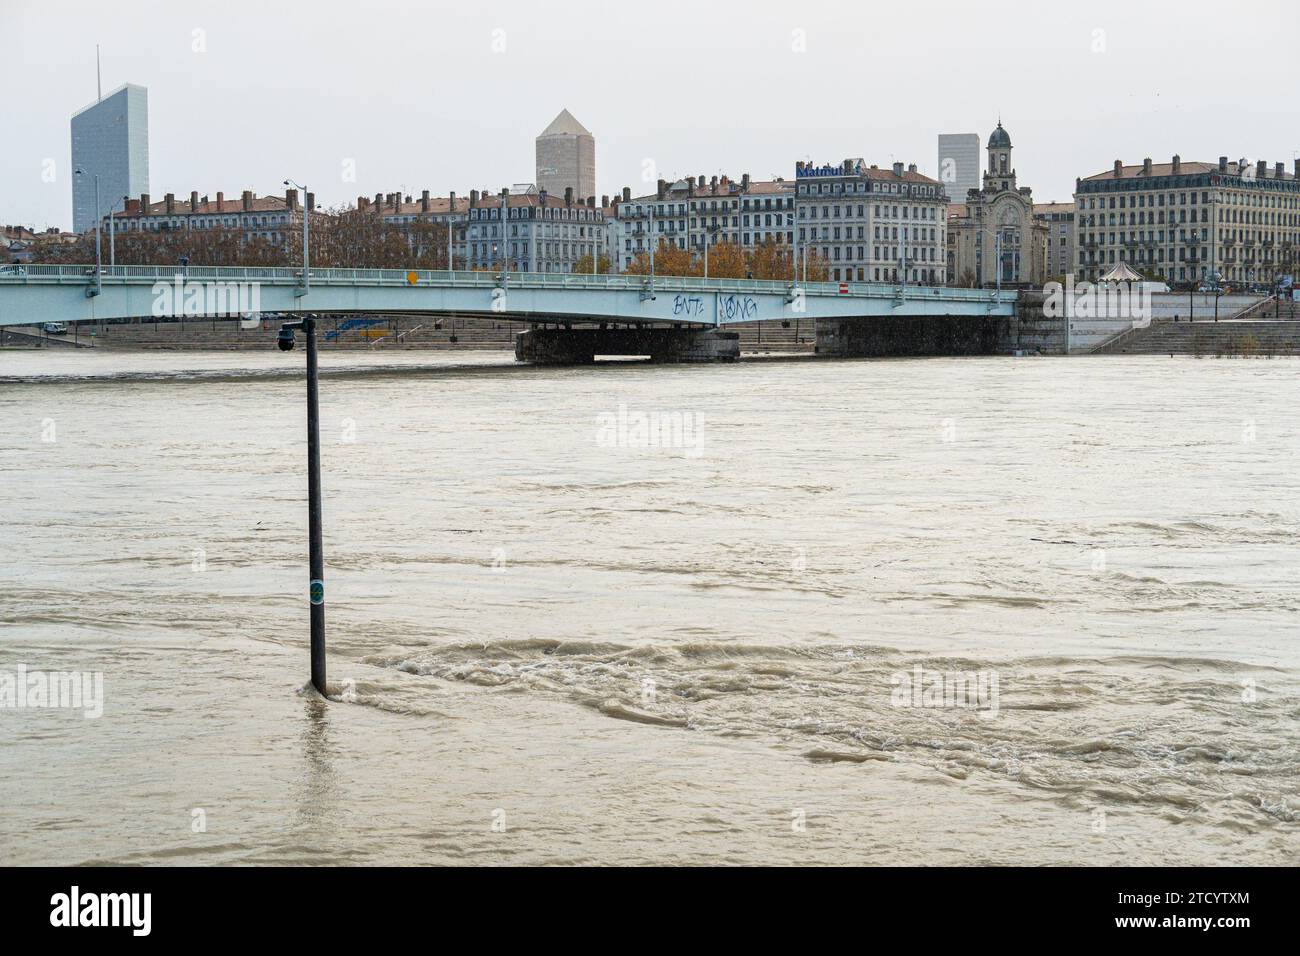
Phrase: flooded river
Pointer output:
(937, 611)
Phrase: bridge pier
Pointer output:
(910, 335)
(549, 346)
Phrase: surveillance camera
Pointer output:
(285, 340)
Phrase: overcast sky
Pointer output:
(449, 96)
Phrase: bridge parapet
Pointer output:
(62, 293)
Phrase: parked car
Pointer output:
(54, 328)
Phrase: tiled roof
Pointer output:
(767, 187)
(1187, 169)
(875, 172)
(230, 205)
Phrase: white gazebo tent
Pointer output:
(1121, 273)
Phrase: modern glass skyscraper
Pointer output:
(110, 139)
(959, 164)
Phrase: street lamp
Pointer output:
(710, 234)
(316, 587)
(306, 244)
(112, 234)
(99, 264)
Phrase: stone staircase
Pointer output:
(1257, 338)
(777, 336)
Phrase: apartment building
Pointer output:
(1186, 222)
(871, 224)
(694, 212)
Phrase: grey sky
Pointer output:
(415, 96)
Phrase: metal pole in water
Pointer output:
(317, 557)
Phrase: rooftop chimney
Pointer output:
(627, 194)
(1119, 168)
(541, 198)
(568, 196)
(362, 203)
(1261, 169)
(424, 201)
(1279, 169)
(1178, 165)
(911, 167)
(194, 201)
(660, 189)
(453, 201)
(291, 199)
(170, 200)
(1297, 169)
(604, 202)
(1146, 166)
(144, 203)
(310, 200)
(1223, 164)
(898, 169)
(221, 201)
(247, 200)
(744, 183)
(473, 198)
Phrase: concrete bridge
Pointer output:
(674, 318)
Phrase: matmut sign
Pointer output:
(808, 170)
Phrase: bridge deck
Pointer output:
(61, 293)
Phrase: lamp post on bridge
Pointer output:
(306, 239)
(99, 263)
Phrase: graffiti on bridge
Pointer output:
(737, 308)
(689, 307)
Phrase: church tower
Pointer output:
(1001, 174)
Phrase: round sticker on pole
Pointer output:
(317, 592)
(412, 278)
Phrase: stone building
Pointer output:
(1185, 222)
(692, 213)
(871, 224)
(271, 218)
(993, 237)
(1058, 217)
(530, 230)
(566, 158)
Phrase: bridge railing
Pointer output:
(111, 275)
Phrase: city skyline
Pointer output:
(381, 121)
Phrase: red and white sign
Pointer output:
(844, 288)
